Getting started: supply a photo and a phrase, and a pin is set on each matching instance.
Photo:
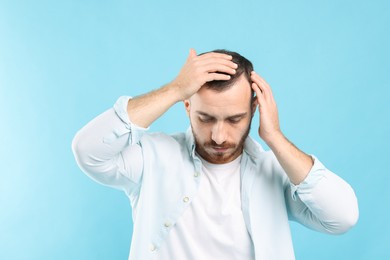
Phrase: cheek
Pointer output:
(241, 129)
(201, 130)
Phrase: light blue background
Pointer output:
(64, 62)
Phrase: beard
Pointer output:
(220, 153)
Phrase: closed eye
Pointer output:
(206, 119)
(234, 120)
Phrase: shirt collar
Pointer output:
(190, 141)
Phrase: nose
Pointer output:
(218, 134)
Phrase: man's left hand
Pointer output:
(269, 122)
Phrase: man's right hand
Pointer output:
(199, 70)
(145, 109)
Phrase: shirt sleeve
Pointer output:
(323, 201)
(107, 149)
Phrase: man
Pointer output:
(213, 192)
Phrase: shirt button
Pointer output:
(167, 224)
(152, 247)
(186, 199)
(196, 174)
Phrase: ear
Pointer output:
(187, 105)
(254, 105)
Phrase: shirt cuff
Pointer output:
(317, 172)
(135, 131)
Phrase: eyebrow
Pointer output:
(232, 116)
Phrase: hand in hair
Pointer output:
(199, 70)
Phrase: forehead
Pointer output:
(234, 100)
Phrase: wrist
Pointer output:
(173, 92)
(274, 139)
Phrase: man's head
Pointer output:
(221, 112)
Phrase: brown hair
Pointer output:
(244, 67)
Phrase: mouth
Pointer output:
(220, 149)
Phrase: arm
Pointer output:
(102, 149)
(325, 202)
(197, 70)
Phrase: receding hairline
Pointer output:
(245, 67)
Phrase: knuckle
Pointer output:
(195, 63)
(198, 71)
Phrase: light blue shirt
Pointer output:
(160, 174)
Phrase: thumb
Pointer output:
(192, 53)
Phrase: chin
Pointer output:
(220, 158)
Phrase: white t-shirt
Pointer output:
(213, 226)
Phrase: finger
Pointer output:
(263, 85)
(259, 85)
(213, 65)
(216, 55)
(219, 61)
(192, 53)
(256, 77)
(210, 59)
(217, 76)
(259, 94)
(216, 67)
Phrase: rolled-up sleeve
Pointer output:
(323, 201)
(107, 149)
